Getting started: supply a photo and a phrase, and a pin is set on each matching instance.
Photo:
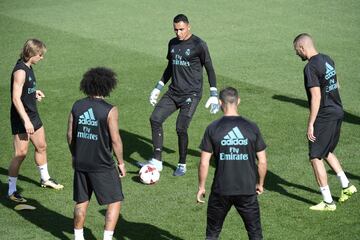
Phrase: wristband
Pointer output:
(159, 85)
(213, 92)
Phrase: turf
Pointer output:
(251, 47)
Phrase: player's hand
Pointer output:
(259, 189)
(39, 95)
(122, 170)
(310, 133)
(29, 127)
(154, 96)
(213, 103)
(200, 195)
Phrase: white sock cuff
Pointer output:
(325, 192)
(43, 166)
(343, 179)
(108, 234)
(44, 173)
(325, 188)
(12, 179)
(79, 234)
(12, 185)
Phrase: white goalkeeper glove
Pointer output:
(155, 93)
(213, 101)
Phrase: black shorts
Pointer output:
(169, 103)
(327, 137)
(105, 185)
(246, 205)
(17, 125)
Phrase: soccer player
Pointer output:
(26, 124)
(93, 135)
(236, 143)
(325, 118)
(187, 55)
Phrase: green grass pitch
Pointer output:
(251, 46)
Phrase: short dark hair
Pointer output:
(229, 95)
(300, 36)
(99, 81)
(181, 18)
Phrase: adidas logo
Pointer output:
(329, 68)
(330, 71)
(88, 118)
(234, 137)
(188, 100)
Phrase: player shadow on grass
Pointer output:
(139, 231)
(348, 117)
(4, 172)
(42, 217)
(277, 184)
(134, 143)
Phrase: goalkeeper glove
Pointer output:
(155, 93)
(213, 101)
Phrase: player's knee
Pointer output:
(181, 131)
(79, 213)
(40, 148)
(113, 210)
(20, 154)
(155, 123)
(182, 127)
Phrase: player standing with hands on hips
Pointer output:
(187, 55)
(325, 118)
(26, 124)
(236, 143)
(93, 136)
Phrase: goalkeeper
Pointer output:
(187, 55)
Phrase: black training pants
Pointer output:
(167, 105)
(246, 205)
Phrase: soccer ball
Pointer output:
(149, 174)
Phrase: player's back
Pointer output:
(235, 142)
(93, 152)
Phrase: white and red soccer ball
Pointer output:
(149, 174)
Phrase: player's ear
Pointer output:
(222, 105)
(238, 101)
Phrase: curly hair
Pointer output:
(99, 81)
